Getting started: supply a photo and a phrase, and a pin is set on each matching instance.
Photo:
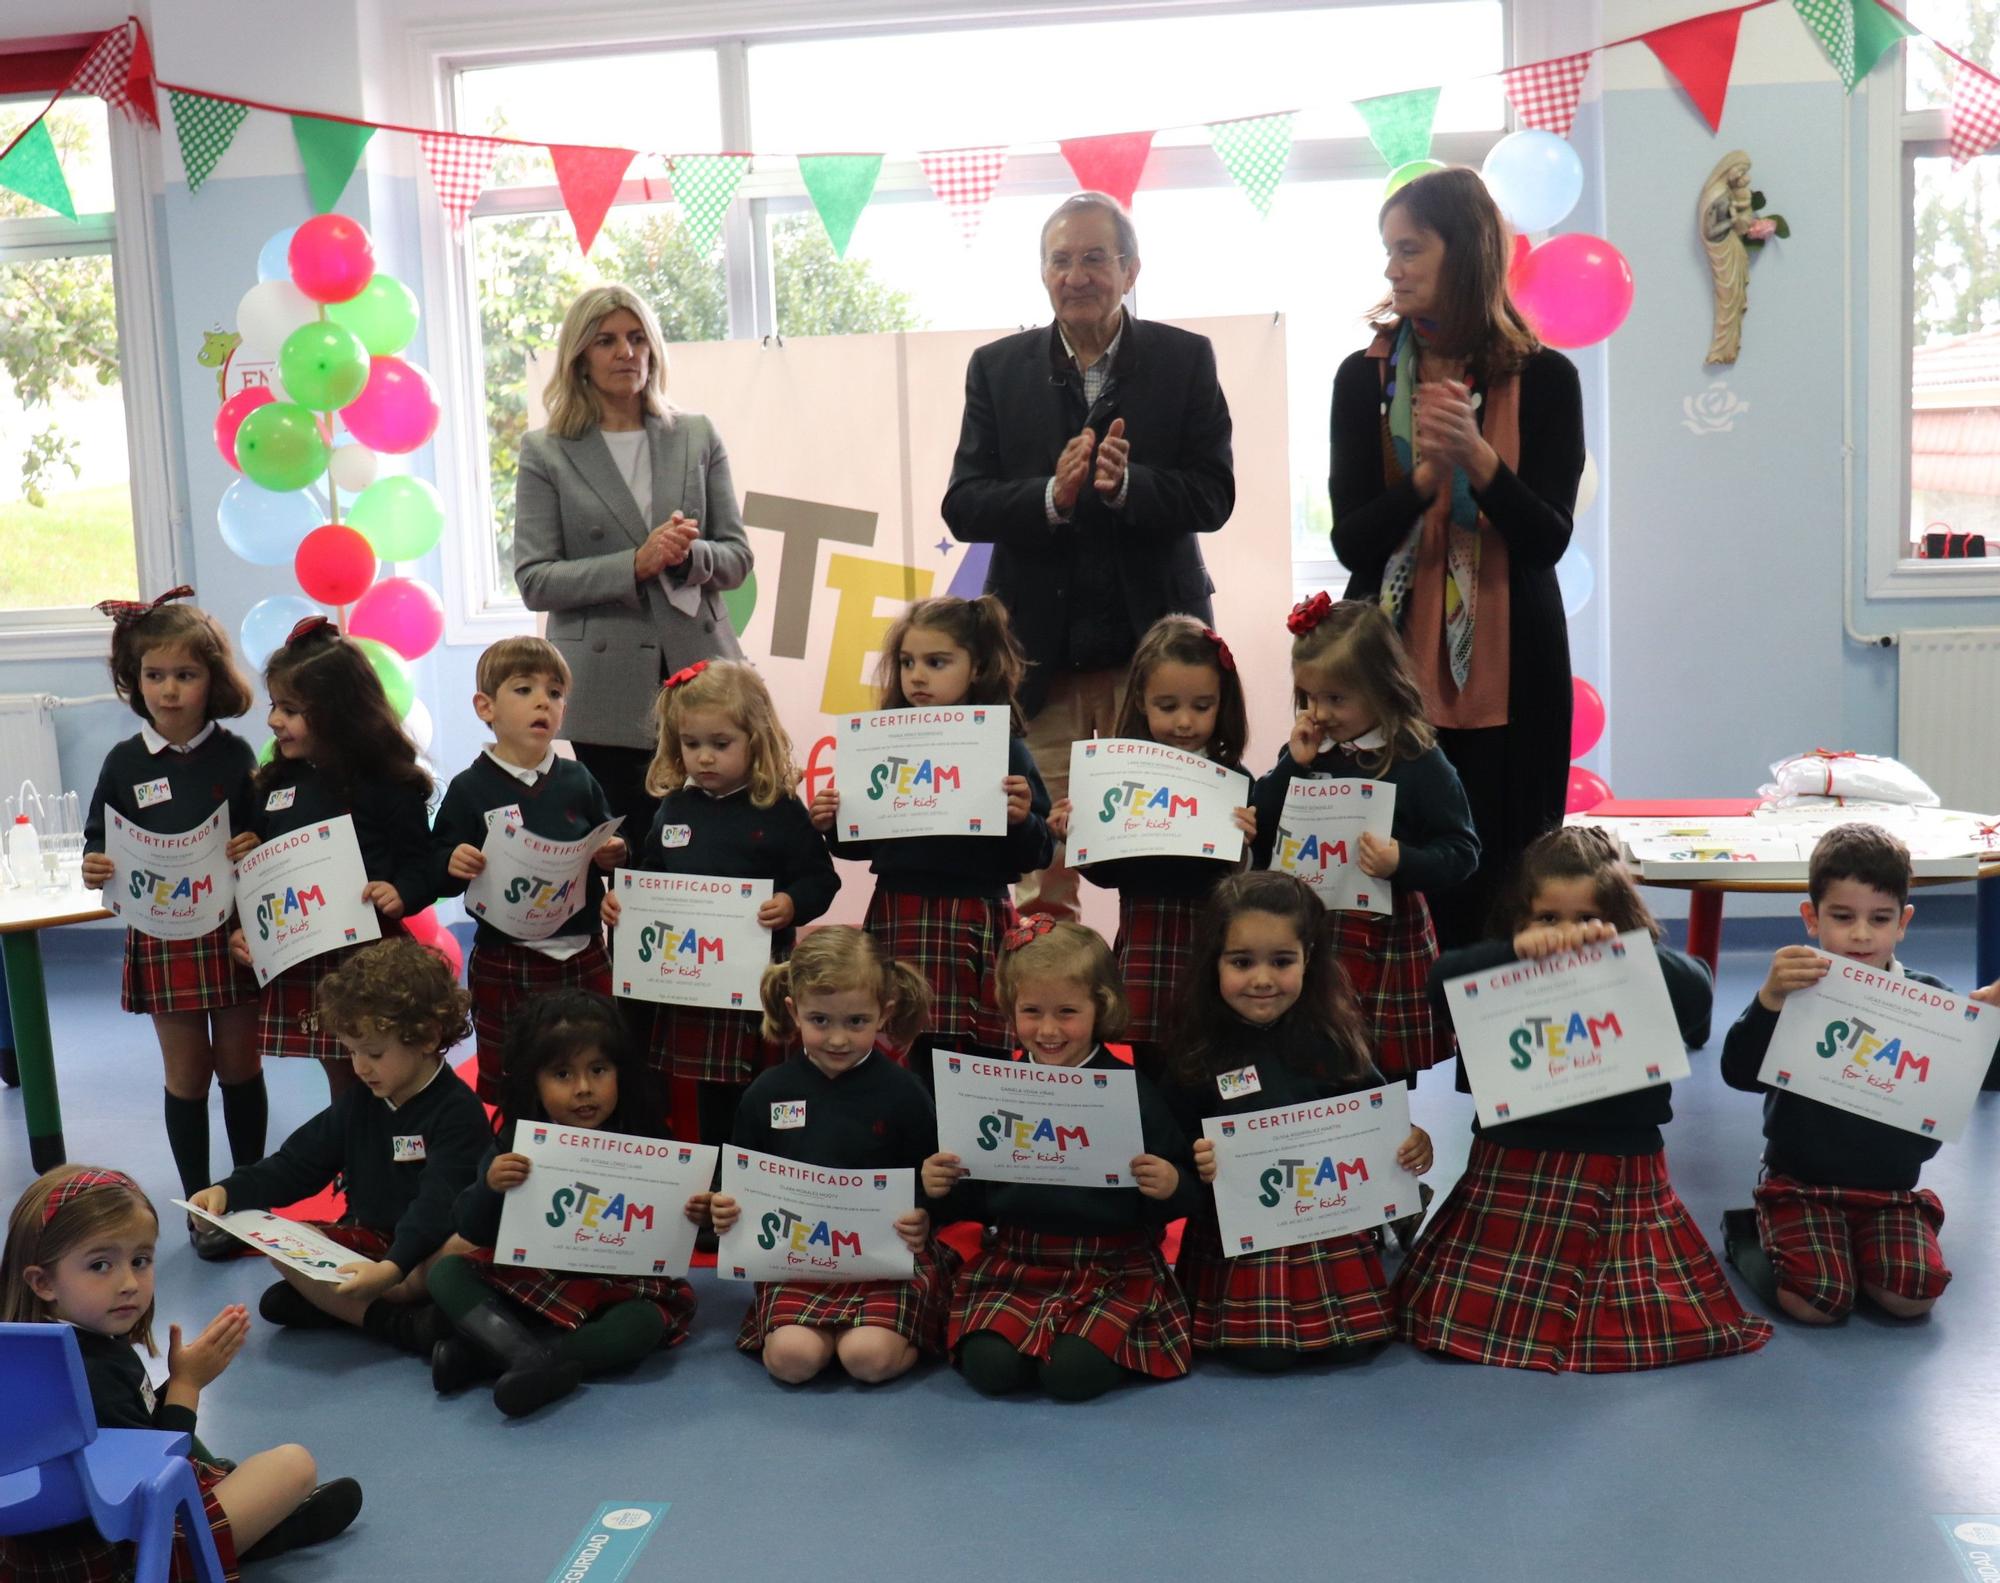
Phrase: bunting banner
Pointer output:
(206, 128)
(840, 186)
(589, 179)
(1109, 164)
(704, 186)
(120, 72)
(1973, 116)
(330, 150)
(1545, 94)
(1853, 34)
(1254, 152)
(459, 167)
(1876, 30)
(964, 179)
(32, 169)
(1697, 54)
(1399, 124)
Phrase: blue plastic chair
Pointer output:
(58, 1467)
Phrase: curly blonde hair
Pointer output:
(400, 987)
(835, 959)
(733, 689)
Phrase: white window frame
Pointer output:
(1895, 137)
(128, 235)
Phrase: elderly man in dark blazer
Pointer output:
(1091, 454)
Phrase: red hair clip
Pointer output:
(1309, 613)
(84, 1180)
(307, 628)
(1222, 655)
(123, 612)
(686, 673)
(1030, 928)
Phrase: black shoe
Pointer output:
(1406, 1226)
(415, 1328)
(284, 1304)
(530, 1374)
(316, 1519)
(215, 1244)
(1743, 1247)
(456, 1364)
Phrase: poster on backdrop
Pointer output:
(172, 887)
(841, 447)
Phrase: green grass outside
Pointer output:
(74, 551)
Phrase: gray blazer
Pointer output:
(576, 527)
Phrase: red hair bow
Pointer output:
(1309, 613)
(1222, 655)
(123, 612)
(307, 628)
(83, 1182)
(686, 673)
(1030, 928)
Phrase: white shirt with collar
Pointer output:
(155, 743)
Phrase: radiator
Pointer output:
(1947, 703)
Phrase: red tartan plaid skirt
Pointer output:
(1389, 960)
(364, 1240)
(710, 1046)
(1330, 1293)
(1155, 951)
(288, 1020)
(954, 942)
(77, 1553)
(503, 977)
(915, 1309)
(1562, 1260)
(1824, 1243)
(1030, 1287)
(567, 1300)
(183, 975)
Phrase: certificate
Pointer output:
(1145, 799)
(300, 895)
(531, 886)
(690, 939)
(1590, 1023)
(814, 1222)
(1303, 1172)
(287, 1242)
(1020, 1121)
(910, 772)
(1320, 840)
(172, 887)
(1885, 1047)
(602, 1203)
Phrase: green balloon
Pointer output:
(324, 367)
(279, 447)
(384, 315)
(400, 517)
(268, 751)
(1402, 175)
(395, 675)
(740, 601)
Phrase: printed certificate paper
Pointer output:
(1145, 799)
(909, 772)
(1020, 1121)
(689, 939)
(289, 1243)
(1303, 1172)
(814, 1223)
(1884, 1047)
(531, 886)
(1542, 1036)
(1320, 840)
(602, 1203)
(300, 895)
(172, 887)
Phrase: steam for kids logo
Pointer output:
(679, 950)
(1568, 1044)
(911, 783)
(182, 896)
(1139, 803)
(1030, 1138)
(1875, 1059)
(281, 913)
(1307, 1181)
(804, 1240)
(598, 1218)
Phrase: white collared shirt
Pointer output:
(528, 776)
(1366, 741)
(155, 743)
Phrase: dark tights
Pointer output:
(1074, 1372)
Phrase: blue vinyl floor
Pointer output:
(1825, 1456)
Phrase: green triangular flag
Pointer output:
(331, 150)
(206, 128)
(1254, 152)
(840, 185)
(1874, 31)
(1853, 33)
(1399, 124)
(704, 187)
(32, 169)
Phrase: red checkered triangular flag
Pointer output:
(964, 178)
(1698, 54)
(1109, 164)
(589, 179)
(119, 70)
(459, 166)
(1973, 116)
(1545, 93)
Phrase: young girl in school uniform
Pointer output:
(725, 776)
(1564, 1245)
(1184, 692)
(1069, 1289)
(569, 1062)
(941, 903)
(80, 1248)
(1269, 1021)
(172, 663)
(338, 748)
(837, 996)
(1361, 717)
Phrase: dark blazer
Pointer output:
(1023, 404)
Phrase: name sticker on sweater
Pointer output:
(676, 835)
(402, 1150)
(511, 813)
(787, 1114)
(150, 792)
(283, 797)
(1236, 1084)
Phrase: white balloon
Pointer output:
(353, 467)
(419, 724)
(1586, 486)
(270, 311)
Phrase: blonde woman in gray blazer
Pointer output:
(627, 531)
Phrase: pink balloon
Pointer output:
(446, 945)
(1586, 719)
(334, 564)
(401, 612)
(424, 926)
(332, 258)
(1587, 789)
(1522, 248)
(230, 418)
(397, 411)
(1574, 289)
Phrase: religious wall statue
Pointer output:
(1733, 225)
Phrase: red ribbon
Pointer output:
(686, 673)
(1222, 655)
(307, 628)
(123, 612)
(83, 1182)
(1309, 613)
(1030, 928)
(1827, 769)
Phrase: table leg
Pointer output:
(27, 998)
(1705, 925)
(10, 1073)
(1986, 935)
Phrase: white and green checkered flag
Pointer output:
(704, 185)
(1254, 152)
(206, 127)
(1854, 34)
